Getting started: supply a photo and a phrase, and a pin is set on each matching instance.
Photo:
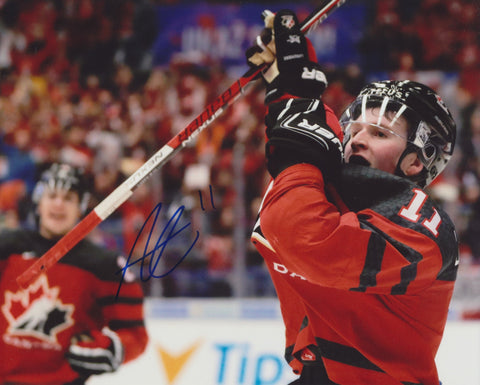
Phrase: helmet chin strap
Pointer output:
(419, 178)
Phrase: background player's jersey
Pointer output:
(364, 284)
(77, 295)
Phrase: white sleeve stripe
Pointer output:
(92, 365)
(91, 352)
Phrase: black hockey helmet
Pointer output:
(65, 177)
(432, 128)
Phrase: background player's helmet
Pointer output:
(64, 177)
(432, 129)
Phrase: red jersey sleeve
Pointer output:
(125, 315)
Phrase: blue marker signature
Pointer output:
(153, 256)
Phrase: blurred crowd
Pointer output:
(77, 85)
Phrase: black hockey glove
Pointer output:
(293, 70)
(95, 352)
(298, 132)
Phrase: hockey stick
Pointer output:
(125, 190)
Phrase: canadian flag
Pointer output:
(308, 355)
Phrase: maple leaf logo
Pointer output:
(37, 312)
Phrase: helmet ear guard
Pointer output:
(419, 178)
(432, 129)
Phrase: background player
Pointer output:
(363, 262)
(68, 325)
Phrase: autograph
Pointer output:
(153, 257)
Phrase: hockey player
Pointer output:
(363, 261)
(69, 324)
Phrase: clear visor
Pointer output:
(383, 118)
(353, 127)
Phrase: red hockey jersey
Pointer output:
(364, 283)
(77, 295)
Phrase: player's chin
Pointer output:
(360, 160)
(58, 229)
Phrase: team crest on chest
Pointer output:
(35, 316)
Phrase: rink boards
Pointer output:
(240, 342)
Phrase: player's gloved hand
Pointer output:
(298, 132)
(292, 67)
(95, 352)
(263, 51)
